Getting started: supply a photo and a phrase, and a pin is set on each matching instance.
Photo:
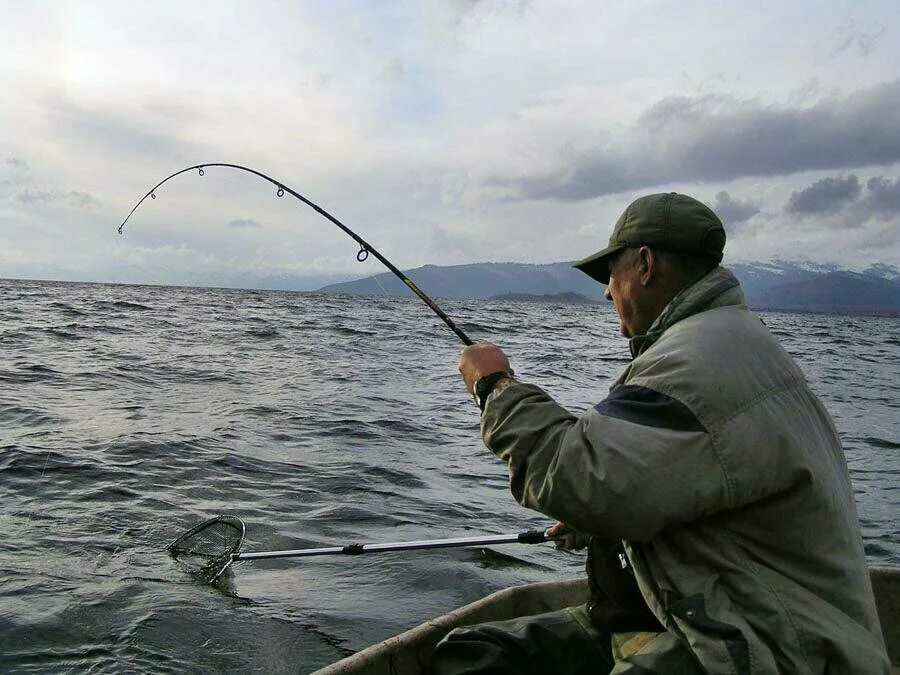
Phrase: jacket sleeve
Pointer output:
(636, 463)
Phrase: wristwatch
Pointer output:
(485, 385)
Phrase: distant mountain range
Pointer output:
(479, 280)
(778, 285)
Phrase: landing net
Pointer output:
(207, 549)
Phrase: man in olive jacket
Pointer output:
(712, 461)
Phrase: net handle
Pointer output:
(222, 562)
(529, 537)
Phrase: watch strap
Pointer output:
(485, 385)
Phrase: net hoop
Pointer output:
(208, 549)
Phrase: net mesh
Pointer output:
(206, 550)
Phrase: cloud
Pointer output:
(853, 35)
(718, 138)
(243, 223)
(734, 211)
(394, 68)
(827, 195)
(834, 194)
(456, 11)
(883, 196)
(72, 199)
(16, 173)
(844, 198)
(451, 246)
(153, 131)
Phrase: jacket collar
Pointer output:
(718, 288)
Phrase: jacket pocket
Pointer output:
(692, 611)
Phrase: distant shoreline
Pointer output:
(567, 298)
(876, 313)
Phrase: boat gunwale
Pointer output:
(410, 651)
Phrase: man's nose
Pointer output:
(606, 294)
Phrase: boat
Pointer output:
(409, 652)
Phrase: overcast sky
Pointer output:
(442, 131)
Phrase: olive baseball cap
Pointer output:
(668, 221)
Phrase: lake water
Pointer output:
(130, 413)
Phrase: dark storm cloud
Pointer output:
(827, 195)
(243, 222)
(733, 211)
(880, 199)
(73, 199)
(683, 139)
(882, 196)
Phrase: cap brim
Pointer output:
(596, 266)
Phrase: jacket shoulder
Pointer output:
(716, 363)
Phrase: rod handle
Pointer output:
(532, 537)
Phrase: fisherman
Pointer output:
(711, 482)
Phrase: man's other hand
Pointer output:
(479, 360)
(569, 539)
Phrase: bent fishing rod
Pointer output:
(364, 247)
(208, 549)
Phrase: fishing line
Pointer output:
(383, 289)
(364, 247)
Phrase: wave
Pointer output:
(881, 443)
(67, 310)
(13, 415)
(30, 374)
(264, 332)
(123, 304)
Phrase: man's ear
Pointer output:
(648, 265)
